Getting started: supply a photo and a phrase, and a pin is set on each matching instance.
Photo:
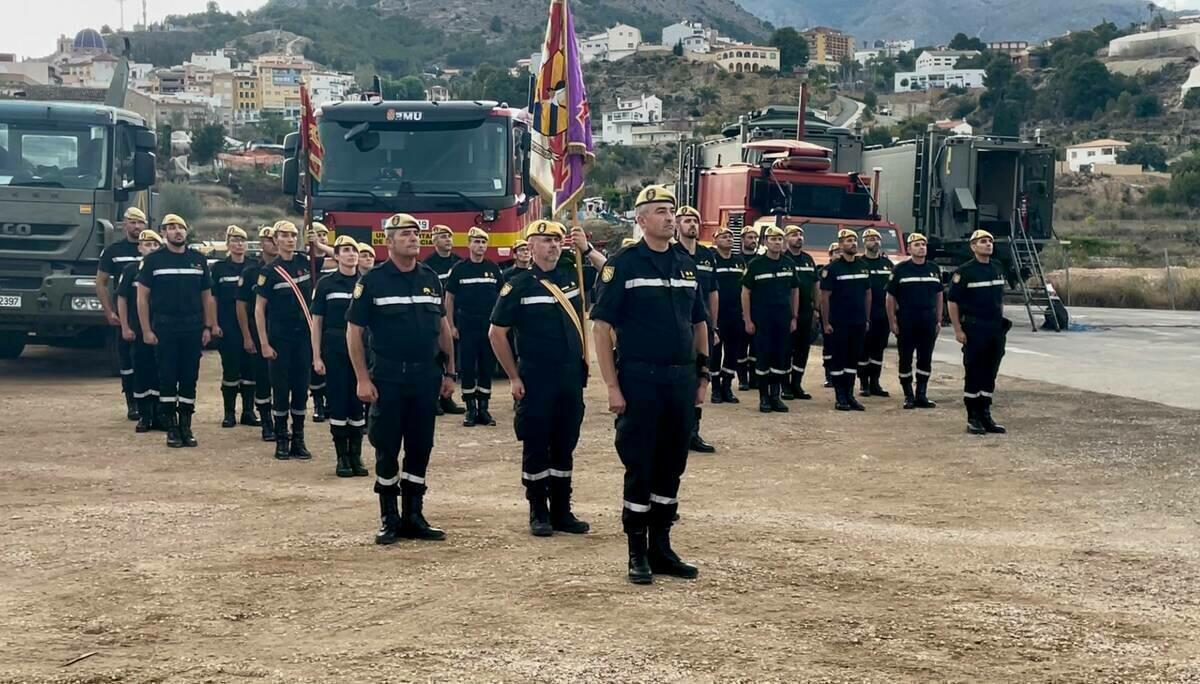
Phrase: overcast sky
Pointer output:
(32, 30)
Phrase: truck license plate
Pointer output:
(10, 301)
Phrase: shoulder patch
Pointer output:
(262, 279)
(506, 289)
(957, 277)
(824, 273)
(358, 289)
(241, 280)
(606, 275)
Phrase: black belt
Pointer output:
(658, 372)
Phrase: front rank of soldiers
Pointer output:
(769, 306)
(400, 303)
(914, 308)
(845, 309)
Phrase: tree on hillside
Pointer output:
(273, 127)
(879, 135)
(1006, 119)
(1153, 157)
(793, 49)
(1192, 99)
(1085, 87)
(871, 100)
(1185, 181)
(678, 49)
(1146, 106)
(960, 41)
(207, 141)
(407, 88)
(496, 25)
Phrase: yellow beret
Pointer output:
(654, 193)
(364, 247)
(175, 219)
(773, 231)
(793, 229)
(722, 230)
(345, 241)
(404, 221)
(846, 233)
(266, 233)
(980, 234)
(135, 214)
(544, 227)
(833, 247)
(149, 235)
(519, 244)
(282, 227)
(687, 211)
(235, 232)
(440, 228)
(320, 227)
(871, 232)
(915, 237)
(476, 232)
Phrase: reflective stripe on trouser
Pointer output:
(289, 374)
(403, 418)
(547, 421)
(772, 341)
(844, 347)
(918, 334)
(981, 359)
(261, 373)
(145, 371)
(178, 357)
(343, 406)
(125, 356)
(870, 362)
(730, 350)
(475, 355)
(652, 441)
(236, 364)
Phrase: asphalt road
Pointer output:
(851, 110)
(1148, 355)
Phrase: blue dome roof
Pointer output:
(89, 39)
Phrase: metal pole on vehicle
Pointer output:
(1066, 245)
(1170, 285)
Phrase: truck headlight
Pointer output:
(85, 304)
(489, 215)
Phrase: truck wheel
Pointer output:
(12, 344)
(1060, 311)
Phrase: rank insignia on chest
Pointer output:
(606, 275)
(506, 289)
(358, 290)
(957, 277)
(262, 280)
(427, 290)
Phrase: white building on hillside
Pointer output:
(616, 43)
(631, 115)
(1084, 156)
(941, 60)
(955, 126)
(971, 79)
(211, 61)
(691, 34)
(328, 86)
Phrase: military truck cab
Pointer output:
(67, 173)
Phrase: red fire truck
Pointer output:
(460, 164)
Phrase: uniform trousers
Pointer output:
(178, 355)
(845, 347)
(403, 418)
(290, 371)
(981, 357)
(730, 351)
(145, 371)
(652, 440)
(870, 362)
(918, 334)
(801, 344)
(125, 358)
(236, 365)
(547, 422)
(478, 362)
(344, 408)
(772, 342)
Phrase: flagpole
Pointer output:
(579, 278)
(312, 251)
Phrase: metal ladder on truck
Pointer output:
(1029, 267)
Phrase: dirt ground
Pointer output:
(887, 546)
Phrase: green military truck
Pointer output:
(67, 173)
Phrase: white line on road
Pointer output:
(1022, 350)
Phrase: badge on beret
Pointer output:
(506, 289)
(357, 290)
(957, 277)
(606, 275)
(262, 280)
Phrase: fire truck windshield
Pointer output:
(451, 162)
(800, 199)
(817, 235)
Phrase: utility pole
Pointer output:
(122, 4)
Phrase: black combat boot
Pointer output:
(764, 398)
(829, 383)
(470, 417)
(539, 510)
(389, 519)
(355, 440)
(785, 388)
(268, 423)
(664, 560)
(877, 390)
(798, 386)
(482, 416)
(776, 391)
(561, 517)
(318, 398)
(697, 443)
(160, 418)
(910, 400)
(974, 425)
(864, 382)
(639, 561)
(341, 449)
(922, 401)
(298, 449)
(281, 438)
(185, 425)
(412, 521)
(131, 406)
(248, 417)
(229, 397)
(839, 393)
(848, 379)
(754, 380)
(985, 417)
(715, 394)
(145, 415)
(727, 395)
(743, 376)
(174, 440)
(437, 408)
(448, 406)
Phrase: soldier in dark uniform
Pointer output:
(687, 224)
(237, 373)
(113, 261)
(650, 299)
(471, 292)
(400, 302)
(522, 260)
(544, 307)
(283, 291)
(178, 316)
(366, 258)
(332, 360)
(441, 261)
(879, 267)
(747, 380)
(730, 348)
(977, 312)
(835, 253)
(260, 372)
(145, 368)
(808, 293)
(845, 307)
(914, 307)
(770, 301)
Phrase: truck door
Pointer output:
(1037, 185)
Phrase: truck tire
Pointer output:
(12, 344)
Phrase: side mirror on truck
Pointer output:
(291, 175)
(144, 172)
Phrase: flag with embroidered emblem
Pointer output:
(310, 138)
